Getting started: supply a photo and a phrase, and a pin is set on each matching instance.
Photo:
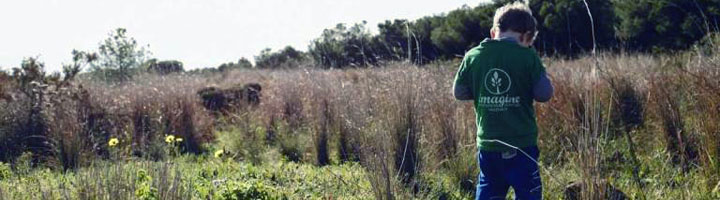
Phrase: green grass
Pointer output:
(290, 145)
(190, 177)
(208, 177)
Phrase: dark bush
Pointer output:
(223, 100)
(579, 190)
(165, 67)
(283, 59)
(243, 63)
(47, 117)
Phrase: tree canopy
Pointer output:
(564, 26)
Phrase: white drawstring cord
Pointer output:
(526, 155)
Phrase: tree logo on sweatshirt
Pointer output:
(497, 81)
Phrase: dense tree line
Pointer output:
(565, 31)
(666, 24)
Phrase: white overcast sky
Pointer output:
(200, 33)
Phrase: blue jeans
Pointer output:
(501, 170)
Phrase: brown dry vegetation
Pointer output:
(634, 117)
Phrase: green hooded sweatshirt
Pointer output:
(500, 74)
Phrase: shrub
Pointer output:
(463, 170)
(72, 142)
(243, 63)
(23, 164)
(234, 99)
(245, 141)
(283, 59)
(31, 128)
(628, 102)
(46, 116)
(164, 67)
(344, 46)
(145, 190)
(248, 190)
(5, 171)
(292, 145)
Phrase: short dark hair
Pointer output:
(515, 17)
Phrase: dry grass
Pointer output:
(401, 121)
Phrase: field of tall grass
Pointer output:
(645, 125)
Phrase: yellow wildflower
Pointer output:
(179, 139)
(219, 153)
(170, 138)
(113, 142)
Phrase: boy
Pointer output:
(503, 76)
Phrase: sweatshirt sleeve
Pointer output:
(542, 87)
(461, 87)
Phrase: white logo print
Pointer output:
(497, 81)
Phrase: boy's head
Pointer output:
(515, 19)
